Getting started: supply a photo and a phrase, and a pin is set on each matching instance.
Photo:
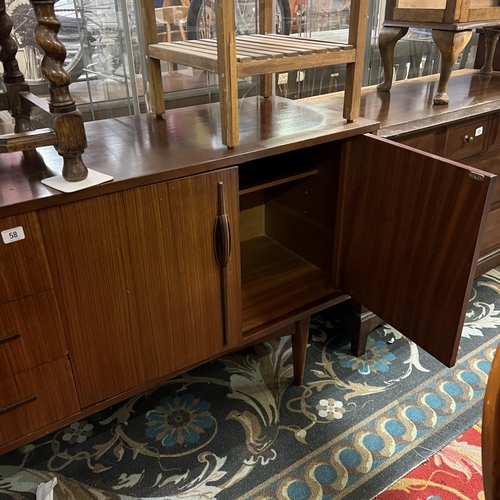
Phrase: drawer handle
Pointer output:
(468, 139)
(13, 406)
(9, 337)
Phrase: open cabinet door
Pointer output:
(409, 229)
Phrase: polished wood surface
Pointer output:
(134, 285)
(23, 263)
(35, 399)
(409, 239)
(30, 333)
(490, 436)
(275, 281)
(409, 105)
(142, 150)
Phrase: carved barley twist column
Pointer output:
(12, 76)
(68, 121)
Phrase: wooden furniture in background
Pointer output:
(233, 57)
(194, 251)
(62, 121)
(451, 22)
(490, 433)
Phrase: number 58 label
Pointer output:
(14, 234)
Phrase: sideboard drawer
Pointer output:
(30, 333)
(23, 262)
(466, 138)
(35, 399)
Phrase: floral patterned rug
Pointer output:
(453, 473)
(236, 428)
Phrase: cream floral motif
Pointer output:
(77, 432)
(330, 409)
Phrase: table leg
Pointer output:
(299, 348)
(450, 44)
(388, 38)
(491, 38)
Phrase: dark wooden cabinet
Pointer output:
(195, 251)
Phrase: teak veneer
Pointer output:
(194, 251)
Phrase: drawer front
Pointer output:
(23, 262)
(30, 333)
(491, 238)
(466, 139)
(489, 162)
(424, 141)
(35, 399)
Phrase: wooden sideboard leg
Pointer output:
(387, 40)
(359, 321)
(491, 38)
(450, 44)
(299, 348)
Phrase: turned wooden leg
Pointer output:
(387, 40)
(491, 38)
(450, 44)
(299, 348)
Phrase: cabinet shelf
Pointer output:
(276, 281)
(257, 54)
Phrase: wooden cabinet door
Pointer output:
(142, 294)
(409, 229)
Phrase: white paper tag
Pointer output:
(479, 131)
(44, 490)
(12, 235)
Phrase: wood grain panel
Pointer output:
(410, 239)
(52, 384)
(30, 333)
(275, 281)
(87, 248)
(23, 263)
(491, 238)
(175, 273)
(136, 276)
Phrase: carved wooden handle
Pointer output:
(222, 245)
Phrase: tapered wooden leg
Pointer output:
(491, 38)
(450, 44)
(387, 40)
(299, 348)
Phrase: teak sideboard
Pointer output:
(194, 251)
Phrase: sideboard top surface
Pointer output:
(409, 105)
(140, 150)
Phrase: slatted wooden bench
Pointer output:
(233, 57)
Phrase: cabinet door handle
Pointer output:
(222, 231)
(468, 138)
(12, 336)
(13, 406)
(222, 246)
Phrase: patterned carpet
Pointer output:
(453, 473)
(236, 429)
